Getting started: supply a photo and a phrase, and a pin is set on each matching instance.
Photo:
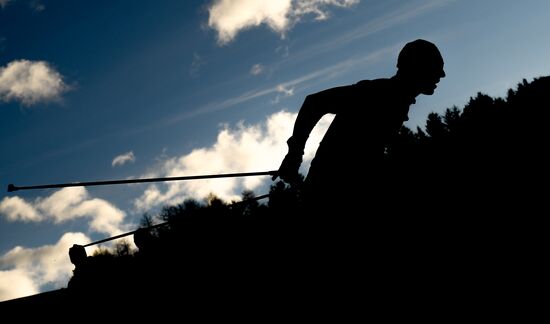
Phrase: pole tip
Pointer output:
(12, 188)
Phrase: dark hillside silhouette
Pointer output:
(487, 156)
(465, 196)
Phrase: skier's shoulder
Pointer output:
(373, 84)
(352, 90)
(335, 93)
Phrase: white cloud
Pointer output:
(70, 203)
(257, 69)
(245, 148)
(229, 17)
(25, 270)
(122, 159)
(16, 283)
(30, 82)
(17, 209)
(65, 205)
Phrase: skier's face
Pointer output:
(428, 78)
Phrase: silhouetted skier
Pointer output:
(368, 114)
(81, 273)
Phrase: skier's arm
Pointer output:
(309, 115)
(313, 109)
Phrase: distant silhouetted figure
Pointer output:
(77, 254)
(368, 114)
(78, 257)
(143, 240)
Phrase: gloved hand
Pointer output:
(288, 171)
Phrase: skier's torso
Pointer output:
(372, 113)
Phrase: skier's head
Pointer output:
(421, 63)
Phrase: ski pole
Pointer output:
(12, 187)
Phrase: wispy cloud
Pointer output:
(4, 3)
(283, 51)
(229, 17)
(37, 5)
(65, 205)
(400, 16)
(286, 92)
(317, 75)
(244, 148)
(196, 65)
(122, 159)
(403, 14)
(311, 79)
(24, 270)
(30, 82)
(392, 19)
(257, 69)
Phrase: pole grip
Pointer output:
(12, 188)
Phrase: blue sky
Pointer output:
(93, 90)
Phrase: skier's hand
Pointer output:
(288, 171)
